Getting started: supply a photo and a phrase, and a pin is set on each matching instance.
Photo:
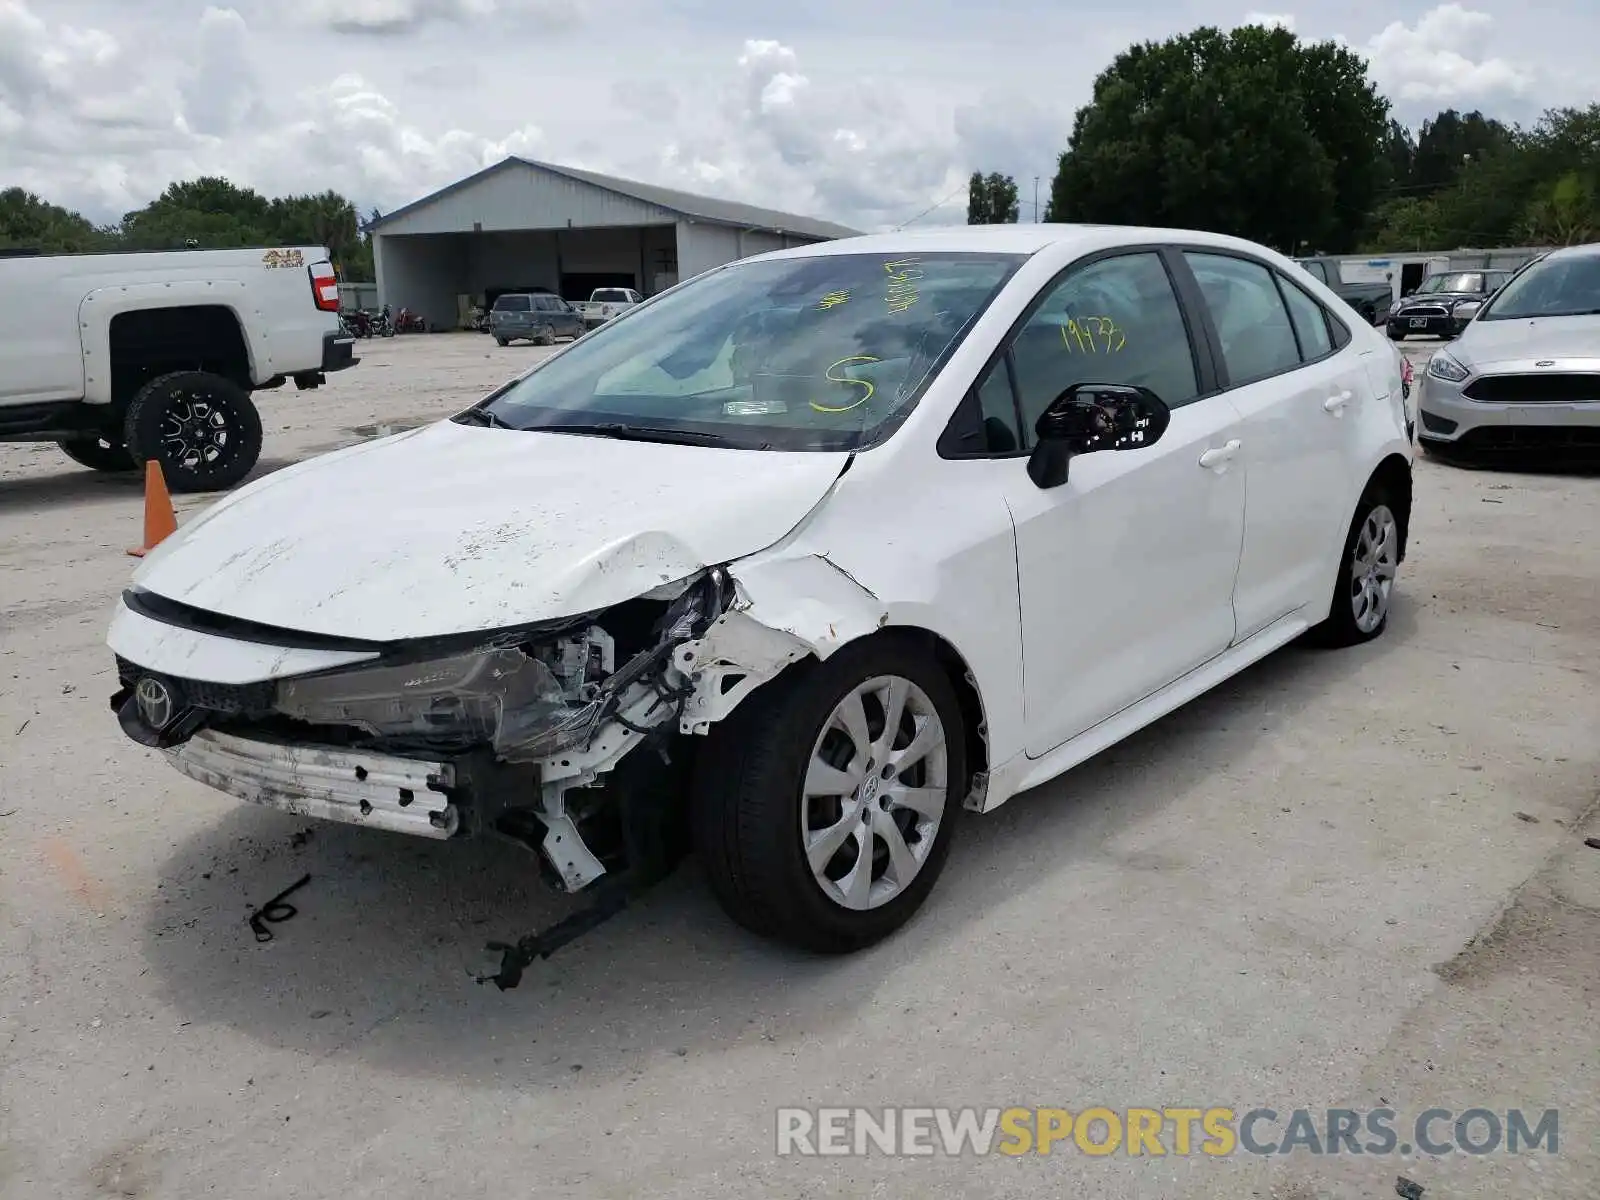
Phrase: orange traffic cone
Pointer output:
(159, 518)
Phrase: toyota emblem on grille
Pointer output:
(155, 702)
(1545, 362)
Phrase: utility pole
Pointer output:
(1037, 219)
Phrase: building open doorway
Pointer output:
(579, 285)
(1411, 276)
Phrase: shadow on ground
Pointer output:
(75, 485)
(378, 962)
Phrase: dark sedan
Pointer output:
(1444, 303)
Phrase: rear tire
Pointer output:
(1396, 336)
(98, 454)
(500, 341)
(545, 337)
(203, 429)
(761, 798)
(1364, 589)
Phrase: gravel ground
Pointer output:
(1344, 879)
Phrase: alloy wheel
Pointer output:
(1373, 563)
(875, 791)
(194, 432)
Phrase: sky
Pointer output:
(867, 112)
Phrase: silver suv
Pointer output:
(538, 317)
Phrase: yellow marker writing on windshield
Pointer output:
(833, 300)
(902, 292)
(860, 383)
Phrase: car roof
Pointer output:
(1011, 239)
(1588, 250)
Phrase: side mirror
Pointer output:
(1466, 311)
(1090, 417)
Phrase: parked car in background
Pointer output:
(1525, 373)
(1443, 303)
(1371, 300)
(121, 359)
(818, 551)
(605, 303)
(538, 317)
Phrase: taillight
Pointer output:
(324, 287)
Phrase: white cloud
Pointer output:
(104, 102)
(1270, 20)
(392, 17)
(1448, 58)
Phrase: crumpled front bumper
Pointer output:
(383, 791)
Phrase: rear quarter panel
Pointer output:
(268, 292)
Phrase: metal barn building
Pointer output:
(525, 226)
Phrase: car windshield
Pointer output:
(1466, 282)
(824, 352)
(511, 304)
(1555, 287)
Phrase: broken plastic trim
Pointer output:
(525, 701)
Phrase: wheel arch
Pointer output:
(132, 333)
(1394, 476)
(739, 656)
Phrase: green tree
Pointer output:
(209, 211)
(1567, 214)
(992, 200)
(326, 219)
(1449, 143)
(1400, 152)
(1249, 132)
(27, 222)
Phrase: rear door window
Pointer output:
(1248, 312)
(1310, 322)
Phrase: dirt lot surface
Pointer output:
(1343, 879)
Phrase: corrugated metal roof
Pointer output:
(700, 208)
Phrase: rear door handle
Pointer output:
(1220, 456)
(1335, 404)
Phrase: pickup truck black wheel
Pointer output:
(824, 807)
(98, 454)
(203, 429)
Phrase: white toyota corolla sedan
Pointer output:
(794, 563)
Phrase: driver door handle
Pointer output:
(1335, 404)
(1220, 456)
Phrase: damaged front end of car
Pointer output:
(567, 737)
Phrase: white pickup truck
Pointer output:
(605, 303)
(123, 358)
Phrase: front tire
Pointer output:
(203, 429)
(545, 337)
(98, 454)
(819, 818)
(1368, 566)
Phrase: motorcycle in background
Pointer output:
(410, 322)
